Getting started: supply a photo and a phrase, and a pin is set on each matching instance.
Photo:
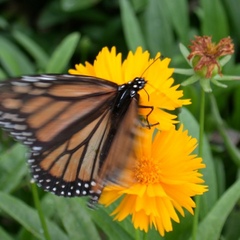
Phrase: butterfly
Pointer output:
(80, 129)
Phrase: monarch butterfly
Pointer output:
(80, 129)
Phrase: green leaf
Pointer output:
(104, 221)
(231, 228)
(157, 28)
(131, 27)
(214, 19)
(235, 108)
(14, 61)
(4, 235)
(51, 16)
(138, 5)
(209, 198)
(178, 10)
(32, 48)
(28, 217)
(2, 75)
(76, 219)
(13, 167)
(221, 175)
(219, 213)
(3, 22)
(13, 155)
(62, 54)
(13, 179)
(185, 52)
(24, 234)
(74, 5)
(232, 7)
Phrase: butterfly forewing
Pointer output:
(53, 109)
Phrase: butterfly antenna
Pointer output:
(155, 60)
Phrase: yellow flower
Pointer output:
(159, 91)
(165, 177)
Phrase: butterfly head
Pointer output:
(136, 85)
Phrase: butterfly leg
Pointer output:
(149, 125)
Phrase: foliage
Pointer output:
(50, 37)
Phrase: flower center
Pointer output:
(211, 50)
(147, 171)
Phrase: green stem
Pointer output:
(200, 154)
(137, 234)
(40, 212)
(232, 150)
(144, 236)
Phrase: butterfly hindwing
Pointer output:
(70, 169)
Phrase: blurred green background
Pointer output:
(51, 36)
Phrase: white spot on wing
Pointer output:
(27, 142)
(93, 183)
(28, 134)
(68, 76)
(20, 127)
(29, 78)
(31, 160)
(15, 133)
(98, 191)
(31, 139)
(7, 124)
(47, 77)
(36, 148)
(9, 115)
(95, 198)
(42, 84)
(18, 119)
(19, 83)
(20, 138)
(35, 153)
